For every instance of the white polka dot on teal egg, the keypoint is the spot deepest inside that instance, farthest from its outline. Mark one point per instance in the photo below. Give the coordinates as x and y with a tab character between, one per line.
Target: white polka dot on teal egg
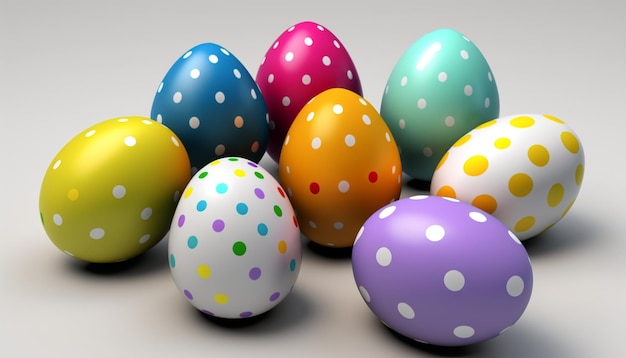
439	89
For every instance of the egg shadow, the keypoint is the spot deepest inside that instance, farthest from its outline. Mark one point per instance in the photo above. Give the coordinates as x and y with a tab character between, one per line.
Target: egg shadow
519	341
419	185
149	262
337	253
572	232
434	350
294	310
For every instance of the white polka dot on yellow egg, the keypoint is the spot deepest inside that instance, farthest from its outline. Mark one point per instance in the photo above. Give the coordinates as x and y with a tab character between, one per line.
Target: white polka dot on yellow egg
108	208
526	170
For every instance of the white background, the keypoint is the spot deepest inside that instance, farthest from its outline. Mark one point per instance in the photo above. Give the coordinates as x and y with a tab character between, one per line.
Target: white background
66	65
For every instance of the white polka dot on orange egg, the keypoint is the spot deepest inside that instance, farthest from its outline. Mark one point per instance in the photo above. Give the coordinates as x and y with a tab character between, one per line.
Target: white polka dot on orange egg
328	189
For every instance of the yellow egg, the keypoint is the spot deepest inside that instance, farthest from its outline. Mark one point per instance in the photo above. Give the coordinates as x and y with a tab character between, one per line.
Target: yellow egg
110	192
339	164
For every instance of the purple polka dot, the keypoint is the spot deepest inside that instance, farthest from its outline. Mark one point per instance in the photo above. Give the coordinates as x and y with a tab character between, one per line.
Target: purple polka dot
274	296
252	164
254	273
259	193
245	314
208	312
189	295
218	225
181	221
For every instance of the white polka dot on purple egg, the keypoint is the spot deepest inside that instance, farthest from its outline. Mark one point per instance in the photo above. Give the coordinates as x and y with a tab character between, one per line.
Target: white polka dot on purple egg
429	244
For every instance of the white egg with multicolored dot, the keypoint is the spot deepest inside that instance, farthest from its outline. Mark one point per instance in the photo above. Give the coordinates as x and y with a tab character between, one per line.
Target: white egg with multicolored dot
234	244
525	170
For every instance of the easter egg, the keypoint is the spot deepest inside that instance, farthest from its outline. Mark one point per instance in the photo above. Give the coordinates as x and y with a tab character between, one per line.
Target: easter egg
303	61
234	243
210	100
339	164
526	170
440	88
110	192
440	271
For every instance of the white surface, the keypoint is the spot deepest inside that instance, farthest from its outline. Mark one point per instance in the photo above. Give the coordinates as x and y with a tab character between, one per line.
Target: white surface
68	64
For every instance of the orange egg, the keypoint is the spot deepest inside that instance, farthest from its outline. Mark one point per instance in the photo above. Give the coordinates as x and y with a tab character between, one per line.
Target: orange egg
339	164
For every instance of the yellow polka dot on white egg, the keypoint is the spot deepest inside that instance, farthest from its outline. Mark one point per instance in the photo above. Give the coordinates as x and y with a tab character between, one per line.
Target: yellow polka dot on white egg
526	170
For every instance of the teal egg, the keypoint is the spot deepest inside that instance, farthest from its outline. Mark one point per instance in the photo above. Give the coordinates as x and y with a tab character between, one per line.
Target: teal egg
440	88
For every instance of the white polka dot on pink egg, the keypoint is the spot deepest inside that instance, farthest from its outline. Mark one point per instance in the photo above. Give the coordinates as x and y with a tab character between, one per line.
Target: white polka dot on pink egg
305	60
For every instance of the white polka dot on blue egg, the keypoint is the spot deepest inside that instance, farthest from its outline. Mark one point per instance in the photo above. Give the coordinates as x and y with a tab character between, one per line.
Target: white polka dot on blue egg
212	103
234	245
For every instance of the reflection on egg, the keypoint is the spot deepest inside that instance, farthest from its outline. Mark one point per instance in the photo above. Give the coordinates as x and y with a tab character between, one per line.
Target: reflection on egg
525	169
303	61
110	193
339	164
440	88
210	100
441	271
234	243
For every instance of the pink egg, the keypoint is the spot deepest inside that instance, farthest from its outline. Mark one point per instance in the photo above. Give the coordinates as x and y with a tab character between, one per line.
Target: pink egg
303	61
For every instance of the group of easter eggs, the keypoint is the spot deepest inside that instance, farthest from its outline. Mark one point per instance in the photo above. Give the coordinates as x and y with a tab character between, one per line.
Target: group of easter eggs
446	267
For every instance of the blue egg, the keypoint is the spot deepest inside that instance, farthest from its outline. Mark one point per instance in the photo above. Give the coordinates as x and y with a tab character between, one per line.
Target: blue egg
213	104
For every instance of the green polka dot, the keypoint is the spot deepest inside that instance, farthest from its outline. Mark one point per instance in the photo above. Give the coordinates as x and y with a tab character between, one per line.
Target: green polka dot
221	188
233	159
41	218
258	175
278	211
203	175
192	242
239	248
172	261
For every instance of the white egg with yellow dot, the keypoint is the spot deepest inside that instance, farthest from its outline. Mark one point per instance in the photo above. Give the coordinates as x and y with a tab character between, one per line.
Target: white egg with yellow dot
525	170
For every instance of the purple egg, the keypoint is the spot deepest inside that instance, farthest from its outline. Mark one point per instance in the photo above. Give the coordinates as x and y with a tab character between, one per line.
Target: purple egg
441	271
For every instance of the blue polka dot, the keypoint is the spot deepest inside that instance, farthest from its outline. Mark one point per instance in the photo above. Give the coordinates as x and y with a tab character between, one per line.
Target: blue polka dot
221	188
292	265
201	205
192	242
262	229
172	261
242	208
